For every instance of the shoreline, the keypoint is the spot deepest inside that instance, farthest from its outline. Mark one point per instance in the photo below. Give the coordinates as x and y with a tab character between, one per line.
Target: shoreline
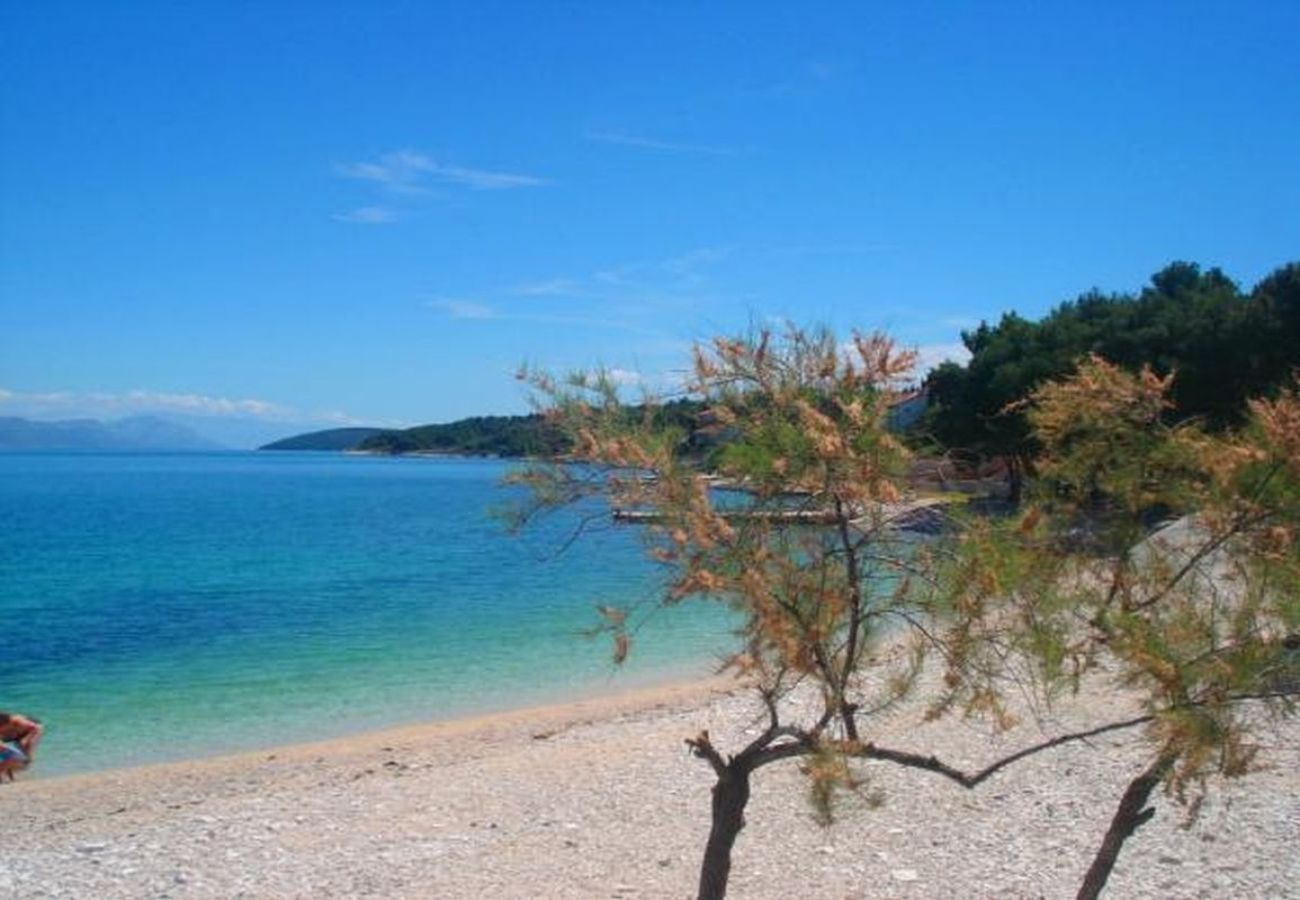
647	690
599	797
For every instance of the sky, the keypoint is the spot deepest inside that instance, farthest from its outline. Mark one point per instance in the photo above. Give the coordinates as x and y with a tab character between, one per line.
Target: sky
275	216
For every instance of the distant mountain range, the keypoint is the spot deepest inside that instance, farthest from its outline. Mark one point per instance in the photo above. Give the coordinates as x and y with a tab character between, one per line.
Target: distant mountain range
135	433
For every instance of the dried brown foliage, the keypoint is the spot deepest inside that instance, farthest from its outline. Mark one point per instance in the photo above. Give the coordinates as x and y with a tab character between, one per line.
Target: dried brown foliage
1193	617
1072	589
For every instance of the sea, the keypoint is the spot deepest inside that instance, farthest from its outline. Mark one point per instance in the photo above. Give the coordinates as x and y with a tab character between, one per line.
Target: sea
165	606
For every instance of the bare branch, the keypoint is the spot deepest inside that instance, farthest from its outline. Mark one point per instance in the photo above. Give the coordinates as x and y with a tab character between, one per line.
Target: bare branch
970	780
1240	525
702	747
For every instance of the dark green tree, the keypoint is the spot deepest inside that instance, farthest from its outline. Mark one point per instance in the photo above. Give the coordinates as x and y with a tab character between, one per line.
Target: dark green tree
1274	328
1225	347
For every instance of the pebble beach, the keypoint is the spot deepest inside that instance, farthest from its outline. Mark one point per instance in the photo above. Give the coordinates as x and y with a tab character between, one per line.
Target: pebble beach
600	798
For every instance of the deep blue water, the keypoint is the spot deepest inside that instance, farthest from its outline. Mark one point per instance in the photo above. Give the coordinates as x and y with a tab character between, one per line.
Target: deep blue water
162	606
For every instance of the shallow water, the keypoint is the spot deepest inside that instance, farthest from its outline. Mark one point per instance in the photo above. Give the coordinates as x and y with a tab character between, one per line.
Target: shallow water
164	606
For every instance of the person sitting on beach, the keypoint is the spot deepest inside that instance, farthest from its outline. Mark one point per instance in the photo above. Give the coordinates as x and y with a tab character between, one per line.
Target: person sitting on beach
19	736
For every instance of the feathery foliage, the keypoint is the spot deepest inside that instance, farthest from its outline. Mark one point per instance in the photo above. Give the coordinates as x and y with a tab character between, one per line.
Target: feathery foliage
836	602
809	561
1194	617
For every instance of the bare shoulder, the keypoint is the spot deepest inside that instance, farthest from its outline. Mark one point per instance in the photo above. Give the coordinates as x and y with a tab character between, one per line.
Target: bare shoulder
15	724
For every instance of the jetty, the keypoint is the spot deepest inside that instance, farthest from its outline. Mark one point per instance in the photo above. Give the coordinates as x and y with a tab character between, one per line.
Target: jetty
925	514
794	516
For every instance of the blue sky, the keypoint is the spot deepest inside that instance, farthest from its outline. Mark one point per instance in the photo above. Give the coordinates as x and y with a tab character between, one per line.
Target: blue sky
298	214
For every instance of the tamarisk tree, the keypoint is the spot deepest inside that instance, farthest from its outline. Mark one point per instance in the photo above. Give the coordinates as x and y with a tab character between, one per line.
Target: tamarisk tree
1198	620
810	562
819	573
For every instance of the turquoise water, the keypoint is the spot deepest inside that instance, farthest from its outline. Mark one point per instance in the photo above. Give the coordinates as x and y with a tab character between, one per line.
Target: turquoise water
158	606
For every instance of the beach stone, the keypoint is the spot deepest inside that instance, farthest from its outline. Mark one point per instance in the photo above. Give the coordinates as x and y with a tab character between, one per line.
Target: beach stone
615	802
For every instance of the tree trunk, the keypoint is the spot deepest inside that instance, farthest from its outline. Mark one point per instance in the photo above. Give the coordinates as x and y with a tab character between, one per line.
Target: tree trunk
1015	480
730	795
1131	814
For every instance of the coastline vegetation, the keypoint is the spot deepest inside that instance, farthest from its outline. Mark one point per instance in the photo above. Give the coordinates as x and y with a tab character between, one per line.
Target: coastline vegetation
514	436
329	439
504	436
1226	345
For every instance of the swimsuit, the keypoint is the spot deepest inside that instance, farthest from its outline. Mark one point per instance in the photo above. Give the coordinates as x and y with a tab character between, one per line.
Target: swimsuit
12	751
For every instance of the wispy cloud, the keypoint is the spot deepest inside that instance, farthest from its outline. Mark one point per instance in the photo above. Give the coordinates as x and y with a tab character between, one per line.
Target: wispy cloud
683	270
463	309
103	403
406	171
402	177
624	139
203	405
689	263
243	422
552	287
631	297
625	377
483	180
368	215
928	356
476	311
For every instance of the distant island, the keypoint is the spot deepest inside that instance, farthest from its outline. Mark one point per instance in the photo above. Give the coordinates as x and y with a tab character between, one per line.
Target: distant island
329	439
135	433
513	436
